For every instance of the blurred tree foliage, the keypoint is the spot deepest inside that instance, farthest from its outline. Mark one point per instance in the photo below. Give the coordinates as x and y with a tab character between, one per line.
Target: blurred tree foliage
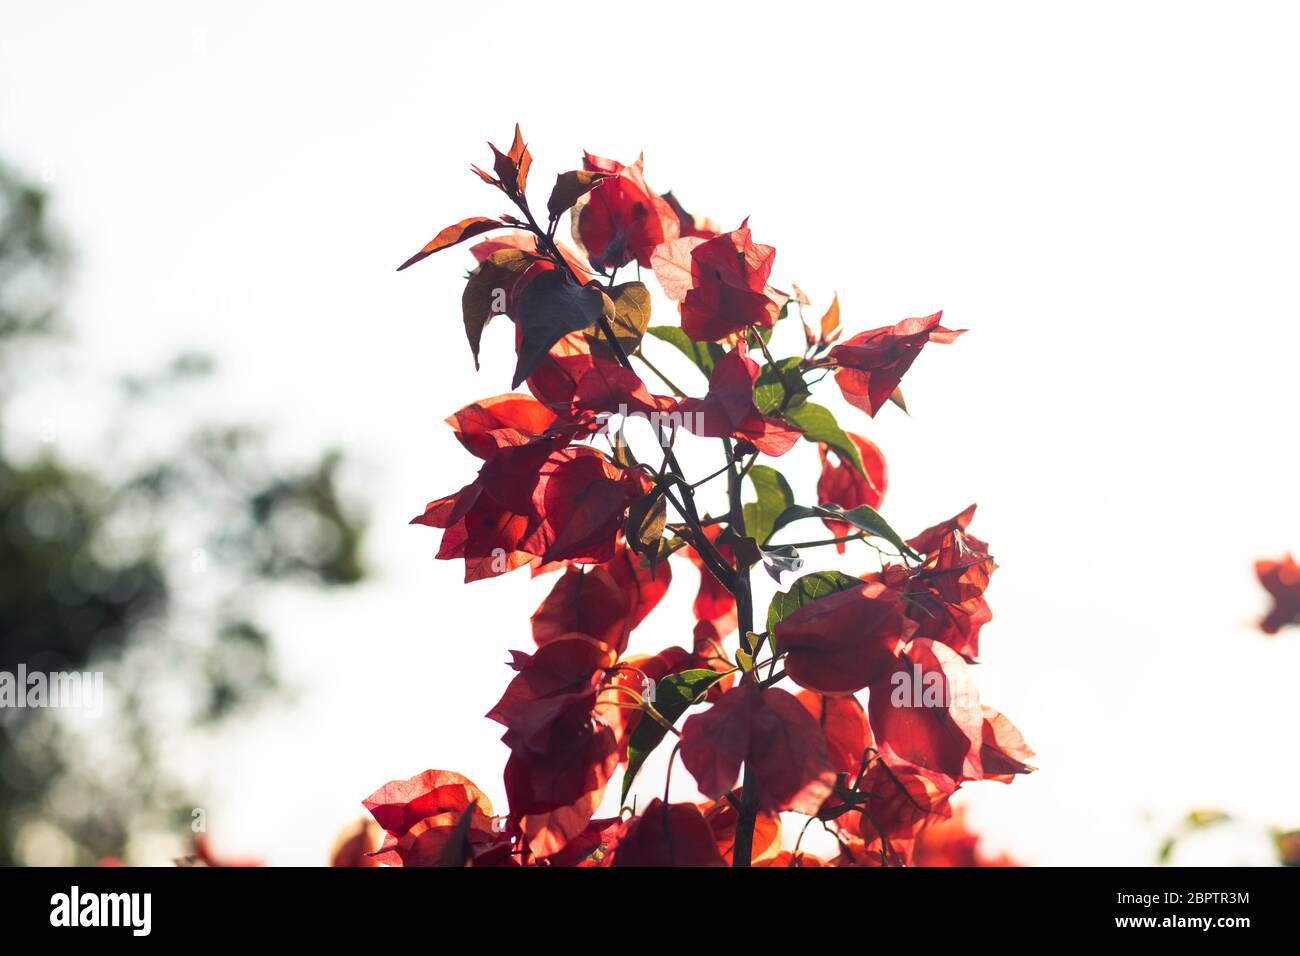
148	567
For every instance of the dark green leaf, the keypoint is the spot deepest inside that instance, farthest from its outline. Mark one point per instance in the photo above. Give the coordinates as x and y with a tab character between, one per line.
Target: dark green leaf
486	291
807	589
569	188
863	517
550	307
673	695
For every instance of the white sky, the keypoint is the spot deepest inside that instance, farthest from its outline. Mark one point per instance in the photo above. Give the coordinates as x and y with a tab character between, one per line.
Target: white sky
1104	194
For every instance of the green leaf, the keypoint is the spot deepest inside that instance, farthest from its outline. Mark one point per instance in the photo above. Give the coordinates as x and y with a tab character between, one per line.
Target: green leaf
550	307
774	496
673	695
818	424
807	589
704	354
863	517
773	383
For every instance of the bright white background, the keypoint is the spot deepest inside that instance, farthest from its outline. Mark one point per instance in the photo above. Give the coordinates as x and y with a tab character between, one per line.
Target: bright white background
1104	194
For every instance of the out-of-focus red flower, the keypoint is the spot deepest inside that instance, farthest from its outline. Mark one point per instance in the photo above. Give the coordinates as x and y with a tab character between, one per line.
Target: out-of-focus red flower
621	219
950	842
204	855
789	858
722	817
1282	581
871	364
356	845
841	643
772	732
728	410
841	483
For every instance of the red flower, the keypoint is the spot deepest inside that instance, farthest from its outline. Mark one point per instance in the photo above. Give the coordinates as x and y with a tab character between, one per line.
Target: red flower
926	712
564	673
485	427
587	602
578	381
531	501
950	843
769	730
605	602
1282	580
709	653
621	220
722	819
844	485
423	816
1003	753
903	799
945	595
871	364
688	224
721	283
489	520
666	835
844	725
579	501
728	410
844	641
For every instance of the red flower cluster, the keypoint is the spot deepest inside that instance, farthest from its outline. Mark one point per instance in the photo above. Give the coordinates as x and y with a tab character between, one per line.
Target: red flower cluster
1282	581
559	489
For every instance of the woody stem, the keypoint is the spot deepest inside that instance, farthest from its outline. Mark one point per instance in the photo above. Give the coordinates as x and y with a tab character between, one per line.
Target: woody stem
747	815
703	546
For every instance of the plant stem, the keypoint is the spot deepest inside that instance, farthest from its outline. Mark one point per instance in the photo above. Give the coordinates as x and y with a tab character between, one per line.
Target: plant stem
703	546
817	544
747	813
